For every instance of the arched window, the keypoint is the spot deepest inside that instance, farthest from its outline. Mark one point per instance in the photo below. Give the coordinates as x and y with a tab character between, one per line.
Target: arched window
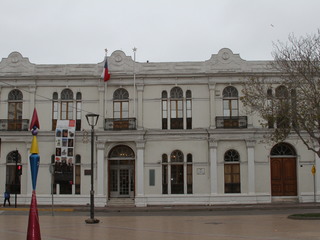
13	181
232	172
176	107
121	152
282	119
66	104
283	149
282	92
15	99
189	109
78	110
164	174
230	102
164	102
270	110
177	172
65	110
66	94
121	104
55	110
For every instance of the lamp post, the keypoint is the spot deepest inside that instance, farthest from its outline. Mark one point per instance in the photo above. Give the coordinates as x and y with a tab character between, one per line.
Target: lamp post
92	121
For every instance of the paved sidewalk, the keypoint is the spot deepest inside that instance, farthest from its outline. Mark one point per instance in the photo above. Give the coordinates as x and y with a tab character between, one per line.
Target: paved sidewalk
171	208
196	223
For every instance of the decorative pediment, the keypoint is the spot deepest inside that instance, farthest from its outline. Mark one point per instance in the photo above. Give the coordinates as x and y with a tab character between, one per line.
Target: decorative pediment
226	61
16	64
119	62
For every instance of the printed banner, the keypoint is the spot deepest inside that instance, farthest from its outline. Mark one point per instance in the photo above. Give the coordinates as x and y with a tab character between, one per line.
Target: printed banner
65	137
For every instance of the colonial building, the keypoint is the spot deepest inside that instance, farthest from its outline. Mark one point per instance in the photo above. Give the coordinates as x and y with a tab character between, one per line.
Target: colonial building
168	133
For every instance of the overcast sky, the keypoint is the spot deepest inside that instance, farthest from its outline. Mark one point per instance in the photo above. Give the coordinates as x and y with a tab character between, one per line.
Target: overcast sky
78	31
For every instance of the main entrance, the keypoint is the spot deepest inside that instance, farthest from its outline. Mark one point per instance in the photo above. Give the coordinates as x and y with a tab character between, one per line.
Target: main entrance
121	165
283	166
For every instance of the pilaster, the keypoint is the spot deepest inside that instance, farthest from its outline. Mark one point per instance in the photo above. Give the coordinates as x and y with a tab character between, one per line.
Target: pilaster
251	166
213	166
140	146
140	88
212	89
100	169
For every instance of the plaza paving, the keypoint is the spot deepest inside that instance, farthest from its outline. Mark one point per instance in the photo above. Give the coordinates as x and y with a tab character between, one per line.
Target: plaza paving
154	224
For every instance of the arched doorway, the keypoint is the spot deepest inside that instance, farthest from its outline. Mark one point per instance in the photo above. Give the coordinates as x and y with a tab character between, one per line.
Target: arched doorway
283	163
121	169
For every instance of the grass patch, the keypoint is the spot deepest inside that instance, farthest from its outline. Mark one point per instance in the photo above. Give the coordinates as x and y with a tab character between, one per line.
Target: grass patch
306	216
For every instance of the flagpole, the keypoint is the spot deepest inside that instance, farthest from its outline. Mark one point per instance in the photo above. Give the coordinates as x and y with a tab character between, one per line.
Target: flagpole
134	82
105	86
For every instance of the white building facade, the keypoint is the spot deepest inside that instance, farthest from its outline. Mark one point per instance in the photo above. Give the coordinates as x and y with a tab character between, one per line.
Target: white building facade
168	133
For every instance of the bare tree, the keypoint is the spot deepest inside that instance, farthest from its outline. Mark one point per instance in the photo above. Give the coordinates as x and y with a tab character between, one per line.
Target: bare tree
289	101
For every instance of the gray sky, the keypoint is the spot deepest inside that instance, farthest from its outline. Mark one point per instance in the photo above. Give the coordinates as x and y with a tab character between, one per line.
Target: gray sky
78	31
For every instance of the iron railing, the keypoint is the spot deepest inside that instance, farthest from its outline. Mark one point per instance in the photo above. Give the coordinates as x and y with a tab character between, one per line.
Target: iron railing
14	124
232	122
120	124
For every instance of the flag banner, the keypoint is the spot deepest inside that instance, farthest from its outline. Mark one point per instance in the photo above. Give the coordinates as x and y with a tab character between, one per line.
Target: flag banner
65	136
64	157
105	74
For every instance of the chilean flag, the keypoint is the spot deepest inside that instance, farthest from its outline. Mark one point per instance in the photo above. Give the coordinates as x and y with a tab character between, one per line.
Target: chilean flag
105	73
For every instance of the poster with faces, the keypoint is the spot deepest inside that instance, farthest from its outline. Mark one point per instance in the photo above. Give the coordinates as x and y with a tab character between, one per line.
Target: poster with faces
65	136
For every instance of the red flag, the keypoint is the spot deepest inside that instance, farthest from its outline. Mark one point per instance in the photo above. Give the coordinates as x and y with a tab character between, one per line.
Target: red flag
106	74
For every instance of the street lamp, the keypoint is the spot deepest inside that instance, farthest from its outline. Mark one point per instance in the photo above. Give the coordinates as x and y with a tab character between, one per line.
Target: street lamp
92	121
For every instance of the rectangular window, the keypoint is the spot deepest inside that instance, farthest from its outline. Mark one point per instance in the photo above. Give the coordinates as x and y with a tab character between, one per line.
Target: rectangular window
164	115
176	121
177	179
116	110
232	178
189	114
66	110
121	110
77	179
151	177
78	116
189	179
55	110
164	179
125	110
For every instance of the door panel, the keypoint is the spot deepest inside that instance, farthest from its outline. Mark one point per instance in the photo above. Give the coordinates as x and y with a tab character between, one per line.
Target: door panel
289	177
121	176
124	182
283	177
276	180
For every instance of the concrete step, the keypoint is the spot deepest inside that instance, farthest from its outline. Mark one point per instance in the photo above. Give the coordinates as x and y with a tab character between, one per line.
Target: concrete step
116	202
285	199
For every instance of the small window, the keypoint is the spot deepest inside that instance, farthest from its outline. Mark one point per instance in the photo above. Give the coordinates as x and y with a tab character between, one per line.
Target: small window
164	102
78	96
151	177
55	96
189	109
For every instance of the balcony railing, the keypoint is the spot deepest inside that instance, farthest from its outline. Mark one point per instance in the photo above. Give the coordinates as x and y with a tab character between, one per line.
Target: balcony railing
232	122
14	125
120	124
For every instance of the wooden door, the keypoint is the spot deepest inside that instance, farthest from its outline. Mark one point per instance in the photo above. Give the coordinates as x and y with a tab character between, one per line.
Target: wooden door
283	177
